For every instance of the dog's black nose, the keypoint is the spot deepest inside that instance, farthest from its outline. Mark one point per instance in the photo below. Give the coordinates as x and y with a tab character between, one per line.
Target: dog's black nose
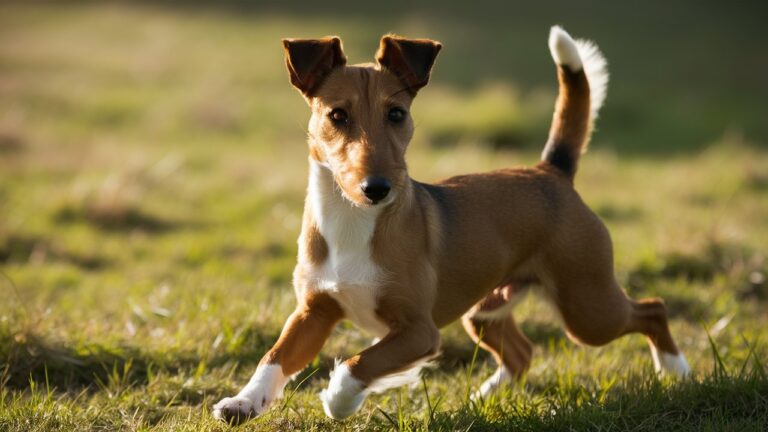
375	188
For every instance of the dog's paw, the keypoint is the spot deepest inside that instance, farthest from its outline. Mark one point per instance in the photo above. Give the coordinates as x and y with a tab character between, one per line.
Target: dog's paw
236	410
492	384
344	395
265	386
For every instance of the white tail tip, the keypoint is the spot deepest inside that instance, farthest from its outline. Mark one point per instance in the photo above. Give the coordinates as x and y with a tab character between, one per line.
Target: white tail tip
578	55
564	50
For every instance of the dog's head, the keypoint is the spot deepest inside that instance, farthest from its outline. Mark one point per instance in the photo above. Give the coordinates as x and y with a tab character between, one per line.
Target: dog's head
361	123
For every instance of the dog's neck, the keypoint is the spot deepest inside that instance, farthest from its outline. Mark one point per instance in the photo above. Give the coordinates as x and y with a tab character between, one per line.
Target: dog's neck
347	228
342	223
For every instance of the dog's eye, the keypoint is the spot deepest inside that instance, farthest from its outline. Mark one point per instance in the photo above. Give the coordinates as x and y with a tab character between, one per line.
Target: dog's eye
338	116
396	115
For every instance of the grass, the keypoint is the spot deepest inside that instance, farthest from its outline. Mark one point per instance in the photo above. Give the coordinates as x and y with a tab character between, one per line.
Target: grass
152	172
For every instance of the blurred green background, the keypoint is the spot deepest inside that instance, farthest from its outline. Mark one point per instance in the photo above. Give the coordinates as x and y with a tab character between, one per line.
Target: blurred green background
152	173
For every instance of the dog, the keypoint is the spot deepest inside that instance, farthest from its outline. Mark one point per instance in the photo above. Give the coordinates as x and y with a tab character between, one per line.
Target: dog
401	259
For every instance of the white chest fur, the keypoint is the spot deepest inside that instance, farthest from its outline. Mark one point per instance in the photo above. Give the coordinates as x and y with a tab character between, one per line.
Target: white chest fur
349	274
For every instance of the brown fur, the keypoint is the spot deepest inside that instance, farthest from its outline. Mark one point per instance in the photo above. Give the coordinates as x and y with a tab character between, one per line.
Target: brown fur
304	332
503	340
445	247
571	123
525	222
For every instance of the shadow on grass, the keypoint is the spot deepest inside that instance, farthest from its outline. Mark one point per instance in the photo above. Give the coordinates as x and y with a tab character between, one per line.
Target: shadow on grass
744	269
717	258
24	248
74	367
119	220
28	356
721	401
11	143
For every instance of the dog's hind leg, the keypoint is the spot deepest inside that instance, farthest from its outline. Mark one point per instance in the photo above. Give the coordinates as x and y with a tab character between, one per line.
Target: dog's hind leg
649	317
578	276
491	325
597	313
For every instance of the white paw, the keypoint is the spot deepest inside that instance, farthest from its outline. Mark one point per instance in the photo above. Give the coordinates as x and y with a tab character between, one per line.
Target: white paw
673	364
265	385
238	409
344	395
492	383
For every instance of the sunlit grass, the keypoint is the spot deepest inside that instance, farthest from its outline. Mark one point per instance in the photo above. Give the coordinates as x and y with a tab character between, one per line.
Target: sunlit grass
152	175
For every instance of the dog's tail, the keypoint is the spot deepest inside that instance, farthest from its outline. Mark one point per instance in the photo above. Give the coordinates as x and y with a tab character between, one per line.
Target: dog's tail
583	77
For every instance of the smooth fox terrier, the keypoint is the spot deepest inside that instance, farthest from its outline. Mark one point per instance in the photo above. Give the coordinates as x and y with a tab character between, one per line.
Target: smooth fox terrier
401	259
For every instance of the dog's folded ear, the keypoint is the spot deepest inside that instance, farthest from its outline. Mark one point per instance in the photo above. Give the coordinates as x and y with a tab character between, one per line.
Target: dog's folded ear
310	60
411	60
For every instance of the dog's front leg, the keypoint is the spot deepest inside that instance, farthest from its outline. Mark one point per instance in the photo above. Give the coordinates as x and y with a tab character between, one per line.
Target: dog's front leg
302	337
380	366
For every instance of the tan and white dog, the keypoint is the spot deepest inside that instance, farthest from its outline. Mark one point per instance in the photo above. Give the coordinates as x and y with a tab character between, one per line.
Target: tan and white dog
401	259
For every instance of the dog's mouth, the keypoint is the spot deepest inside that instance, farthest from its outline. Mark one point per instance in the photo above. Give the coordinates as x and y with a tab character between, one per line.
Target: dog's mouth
382	202
367	203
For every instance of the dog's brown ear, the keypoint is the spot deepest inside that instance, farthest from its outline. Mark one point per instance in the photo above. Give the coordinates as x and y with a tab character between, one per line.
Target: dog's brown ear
310	60
411	60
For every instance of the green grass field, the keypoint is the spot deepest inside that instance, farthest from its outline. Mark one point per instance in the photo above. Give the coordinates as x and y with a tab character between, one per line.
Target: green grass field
152	175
